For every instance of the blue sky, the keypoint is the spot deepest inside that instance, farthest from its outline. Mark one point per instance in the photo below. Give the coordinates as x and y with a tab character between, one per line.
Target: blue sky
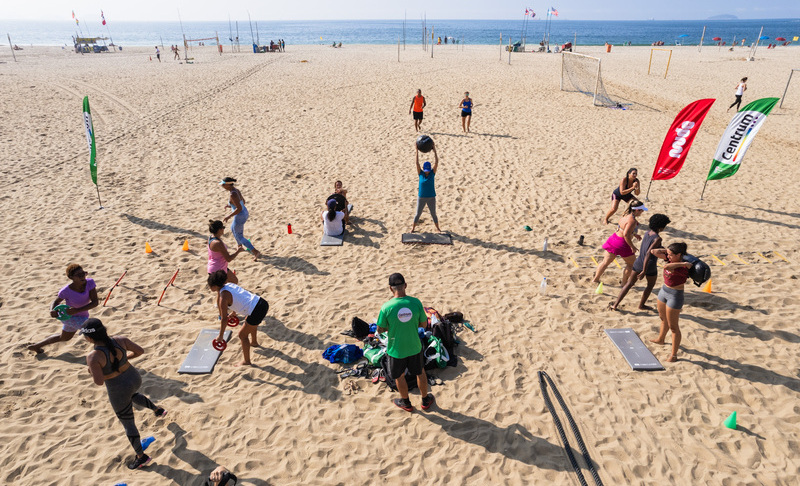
155	10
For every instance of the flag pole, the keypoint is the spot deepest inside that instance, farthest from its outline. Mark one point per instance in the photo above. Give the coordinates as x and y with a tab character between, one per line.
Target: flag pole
98	197
704	189
647	196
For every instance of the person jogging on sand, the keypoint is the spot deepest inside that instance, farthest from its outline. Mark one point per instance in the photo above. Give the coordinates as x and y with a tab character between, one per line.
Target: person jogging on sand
239	214
740	89
108	364
417	104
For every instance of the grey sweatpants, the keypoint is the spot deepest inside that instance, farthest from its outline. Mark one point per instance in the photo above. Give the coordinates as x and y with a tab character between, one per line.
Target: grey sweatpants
431	203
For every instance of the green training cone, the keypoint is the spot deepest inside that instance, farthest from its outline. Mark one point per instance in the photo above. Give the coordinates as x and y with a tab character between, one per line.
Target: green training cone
527	228
730	422
599	290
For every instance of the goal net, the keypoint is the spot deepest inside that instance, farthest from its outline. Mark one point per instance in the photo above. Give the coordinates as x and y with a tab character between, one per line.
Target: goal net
582	73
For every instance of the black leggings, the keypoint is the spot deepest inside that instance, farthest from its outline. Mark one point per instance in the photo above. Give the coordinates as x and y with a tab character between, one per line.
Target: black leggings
738	102
122	393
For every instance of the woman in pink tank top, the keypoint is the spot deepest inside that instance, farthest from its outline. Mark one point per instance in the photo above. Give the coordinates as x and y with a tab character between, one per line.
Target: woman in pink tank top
218	256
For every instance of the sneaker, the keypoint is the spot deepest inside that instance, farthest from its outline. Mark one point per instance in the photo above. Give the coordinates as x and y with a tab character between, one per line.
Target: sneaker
403	403
427	401
139	462
160	412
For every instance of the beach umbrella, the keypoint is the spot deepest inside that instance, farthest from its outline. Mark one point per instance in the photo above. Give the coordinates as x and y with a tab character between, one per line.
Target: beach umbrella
717	39
780	38
763	37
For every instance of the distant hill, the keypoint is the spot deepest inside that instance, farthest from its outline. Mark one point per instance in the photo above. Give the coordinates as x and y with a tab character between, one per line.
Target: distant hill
723	17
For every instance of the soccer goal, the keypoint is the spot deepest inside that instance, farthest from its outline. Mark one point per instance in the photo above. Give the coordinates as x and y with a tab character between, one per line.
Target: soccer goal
581	73
650	64
787	86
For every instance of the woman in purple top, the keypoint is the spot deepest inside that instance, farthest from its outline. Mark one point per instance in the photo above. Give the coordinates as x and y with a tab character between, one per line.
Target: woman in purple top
80	296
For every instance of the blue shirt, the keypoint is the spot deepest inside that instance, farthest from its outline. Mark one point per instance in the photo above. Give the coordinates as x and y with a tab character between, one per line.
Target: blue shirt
466	106
426	188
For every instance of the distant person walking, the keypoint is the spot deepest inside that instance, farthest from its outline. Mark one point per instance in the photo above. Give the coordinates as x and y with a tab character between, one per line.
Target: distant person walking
740	89
239	214
427	189
417	104
177	53
158	54
466	112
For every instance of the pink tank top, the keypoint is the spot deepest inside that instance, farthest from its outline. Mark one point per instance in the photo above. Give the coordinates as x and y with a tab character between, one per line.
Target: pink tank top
215	259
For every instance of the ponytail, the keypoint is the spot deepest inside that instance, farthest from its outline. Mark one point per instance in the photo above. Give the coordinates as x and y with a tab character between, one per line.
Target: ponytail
95	329
331	214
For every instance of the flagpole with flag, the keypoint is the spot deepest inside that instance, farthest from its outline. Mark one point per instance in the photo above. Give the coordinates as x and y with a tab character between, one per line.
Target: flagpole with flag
87	121
678	141
103	17
737	138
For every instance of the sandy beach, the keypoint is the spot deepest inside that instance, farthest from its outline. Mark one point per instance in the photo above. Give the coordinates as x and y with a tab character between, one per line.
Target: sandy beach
288	125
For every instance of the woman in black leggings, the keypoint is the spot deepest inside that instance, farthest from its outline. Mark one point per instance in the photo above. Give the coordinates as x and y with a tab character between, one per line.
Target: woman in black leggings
108	364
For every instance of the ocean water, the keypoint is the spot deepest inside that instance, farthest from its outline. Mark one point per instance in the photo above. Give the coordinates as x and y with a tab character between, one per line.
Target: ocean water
392	31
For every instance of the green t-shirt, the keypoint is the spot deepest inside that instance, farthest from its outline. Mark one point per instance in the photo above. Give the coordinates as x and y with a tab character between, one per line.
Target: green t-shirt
402	316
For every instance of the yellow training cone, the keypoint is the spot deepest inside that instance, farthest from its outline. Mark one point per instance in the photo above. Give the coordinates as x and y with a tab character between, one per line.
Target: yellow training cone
147	248
707	286
185	245
599	290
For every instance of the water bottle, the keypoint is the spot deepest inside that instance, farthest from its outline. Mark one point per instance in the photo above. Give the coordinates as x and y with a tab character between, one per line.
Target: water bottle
543	286
544	247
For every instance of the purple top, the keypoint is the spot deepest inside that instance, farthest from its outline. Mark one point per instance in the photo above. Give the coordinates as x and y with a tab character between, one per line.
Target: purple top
77	299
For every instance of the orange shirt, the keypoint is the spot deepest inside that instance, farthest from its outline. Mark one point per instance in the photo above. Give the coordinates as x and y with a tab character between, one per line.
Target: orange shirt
418	101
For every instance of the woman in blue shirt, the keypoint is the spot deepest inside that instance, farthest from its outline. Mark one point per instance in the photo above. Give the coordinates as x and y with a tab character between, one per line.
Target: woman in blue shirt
466	112
427	191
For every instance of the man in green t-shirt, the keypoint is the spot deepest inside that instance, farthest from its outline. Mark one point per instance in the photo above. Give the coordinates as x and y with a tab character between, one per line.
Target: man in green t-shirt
400	317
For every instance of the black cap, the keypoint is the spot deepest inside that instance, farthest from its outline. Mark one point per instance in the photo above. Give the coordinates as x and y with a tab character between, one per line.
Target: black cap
396	280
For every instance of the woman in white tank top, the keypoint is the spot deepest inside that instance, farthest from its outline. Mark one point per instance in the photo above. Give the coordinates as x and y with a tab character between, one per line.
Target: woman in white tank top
231	297
740	89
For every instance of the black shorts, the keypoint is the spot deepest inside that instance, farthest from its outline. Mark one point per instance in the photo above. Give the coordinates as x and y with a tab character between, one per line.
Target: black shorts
258	314
465	113
397	367
417	115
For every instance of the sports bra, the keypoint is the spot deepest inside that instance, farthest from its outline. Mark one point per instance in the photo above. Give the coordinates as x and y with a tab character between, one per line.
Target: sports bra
108	367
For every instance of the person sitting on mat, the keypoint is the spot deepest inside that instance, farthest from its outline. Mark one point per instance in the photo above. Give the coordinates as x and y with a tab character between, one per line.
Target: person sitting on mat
108	364
427	190
80	296
232	297
340	196
670	297
645	264
332	220
620	243
628	185
218	256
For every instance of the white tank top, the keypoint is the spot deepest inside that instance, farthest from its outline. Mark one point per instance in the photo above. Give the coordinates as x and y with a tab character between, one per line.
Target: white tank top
740	89
243	301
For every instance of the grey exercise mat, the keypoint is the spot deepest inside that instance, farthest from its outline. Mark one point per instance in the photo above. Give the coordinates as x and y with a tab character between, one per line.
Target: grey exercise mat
203	357
428	238
633	349
332	240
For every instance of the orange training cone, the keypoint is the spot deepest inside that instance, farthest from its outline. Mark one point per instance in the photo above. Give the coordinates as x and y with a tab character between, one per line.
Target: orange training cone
707	287
147	248
185	245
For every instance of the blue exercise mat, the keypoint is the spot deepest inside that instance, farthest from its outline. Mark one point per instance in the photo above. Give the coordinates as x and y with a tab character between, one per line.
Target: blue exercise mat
428	238
203	357
633	349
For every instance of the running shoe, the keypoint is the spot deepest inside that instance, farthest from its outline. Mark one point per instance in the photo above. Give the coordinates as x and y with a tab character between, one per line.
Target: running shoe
160	412
427	402
139	462
403	403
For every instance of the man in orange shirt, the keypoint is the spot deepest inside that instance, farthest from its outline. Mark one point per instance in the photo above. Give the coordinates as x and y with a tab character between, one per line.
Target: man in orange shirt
417	104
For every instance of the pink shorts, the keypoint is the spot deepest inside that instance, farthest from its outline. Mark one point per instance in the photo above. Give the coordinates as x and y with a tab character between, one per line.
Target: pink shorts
617	245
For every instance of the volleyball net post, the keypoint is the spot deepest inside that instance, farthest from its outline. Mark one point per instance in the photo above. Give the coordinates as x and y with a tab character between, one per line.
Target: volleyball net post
787	87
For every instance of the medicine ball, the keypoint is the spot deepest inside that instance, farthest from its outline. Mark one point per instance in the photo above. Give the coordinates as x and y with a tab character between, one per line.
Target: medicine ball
424	143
